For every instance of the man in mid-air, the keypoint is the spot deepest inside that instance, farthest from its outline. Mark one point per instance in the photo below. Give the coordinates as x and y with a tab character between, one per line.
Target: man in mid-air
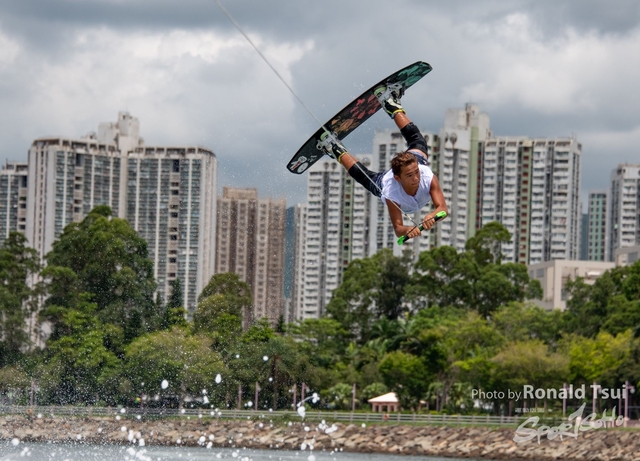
410	184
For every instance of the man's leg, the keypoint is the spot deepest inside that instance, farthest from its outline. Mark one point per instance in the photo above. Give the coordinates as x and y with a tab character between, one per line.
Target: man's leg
367	178
390	101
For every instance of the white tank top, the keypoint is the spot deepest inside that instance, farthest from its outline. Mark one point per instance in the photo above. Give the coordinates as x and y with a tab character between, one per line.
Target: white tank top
392	190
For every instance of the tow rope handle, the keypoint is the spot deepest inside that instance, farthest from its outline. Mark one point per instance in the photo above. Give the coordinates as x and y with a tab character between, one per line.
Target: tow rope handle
439	216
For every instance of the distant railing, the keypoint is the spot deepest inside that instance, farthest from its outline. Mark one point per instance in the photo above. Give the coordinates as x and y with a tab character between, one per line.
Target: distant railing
311	415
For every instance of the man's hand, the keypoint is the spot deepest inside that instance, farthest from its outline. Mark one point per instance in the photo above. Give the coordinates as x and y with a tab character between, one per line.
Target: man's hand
414	232
428	222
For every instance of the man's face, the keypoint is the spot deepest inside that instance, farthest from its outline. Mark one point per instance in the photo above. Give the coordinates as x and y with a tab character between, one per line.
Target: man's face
409	177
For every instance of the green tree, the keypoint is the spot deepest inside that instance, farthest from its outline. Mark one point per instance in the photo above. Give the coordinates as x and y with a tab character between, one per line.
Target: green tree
518	321
174	314
486	244
185	361
444	277
111	263
78	361
528	362
176	297
339	397
17	298
407	376
371	288
219	317
603	358
237	294
323	339
610	304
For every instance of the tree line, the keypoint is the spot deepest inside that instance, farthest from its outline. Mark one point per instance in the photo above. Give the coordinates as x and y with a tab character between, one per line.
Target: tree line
430	330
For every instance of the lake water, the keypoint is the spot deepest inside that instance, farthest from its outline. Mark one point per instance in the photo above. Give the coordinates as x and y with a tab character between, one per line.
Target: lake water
87	452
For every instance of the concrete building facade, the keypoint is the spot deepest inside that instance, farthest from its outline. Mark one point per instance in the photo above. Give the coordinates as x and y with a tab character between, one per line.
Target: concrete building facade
459	170
624	208
166	193
333	230
553	276
531	186
597	226
250	244
13	198
170	201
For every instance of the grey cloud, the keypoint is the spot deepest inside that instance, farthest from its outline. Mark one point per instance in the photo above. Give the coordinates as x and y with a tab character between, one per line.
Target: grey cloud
238	107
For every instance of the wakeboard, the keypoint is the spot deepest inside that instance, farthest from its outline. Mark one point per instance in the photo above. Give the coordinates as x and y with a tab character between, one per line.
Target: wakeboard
354	115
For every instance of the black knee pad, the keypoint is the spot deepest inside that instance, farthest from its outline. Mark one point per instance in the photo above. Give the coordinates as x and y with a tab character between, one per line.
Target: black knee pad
414	138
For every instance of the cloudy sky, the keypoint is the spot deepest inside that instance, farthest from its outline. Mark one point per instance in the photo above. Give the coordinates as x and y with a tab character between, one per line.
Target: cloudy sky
537	67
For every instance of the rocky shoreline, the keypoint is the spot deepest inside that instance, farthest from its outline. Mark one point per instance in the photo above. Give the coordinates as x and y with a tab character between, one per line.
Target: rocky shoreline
461	442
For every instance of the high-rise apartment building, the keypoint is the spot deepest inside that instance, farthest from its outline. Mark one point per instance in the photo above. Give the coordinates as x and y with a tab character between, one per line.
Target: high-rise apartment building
13	198
251	244
67	178
386	144
298	288
624	215
597	226
170	201
334	230
166	193
458	169
531	187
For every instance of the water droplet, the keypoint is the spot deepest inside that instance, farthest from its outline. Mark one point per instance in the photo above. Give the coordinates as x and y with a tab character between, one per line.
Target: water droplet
164	384
265	358
15	442
218	378
302	412
141	442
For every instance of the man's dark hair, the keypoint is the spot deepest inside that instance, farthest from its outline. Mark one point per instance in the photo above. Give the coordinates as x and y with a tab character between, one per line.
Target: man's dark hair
401	160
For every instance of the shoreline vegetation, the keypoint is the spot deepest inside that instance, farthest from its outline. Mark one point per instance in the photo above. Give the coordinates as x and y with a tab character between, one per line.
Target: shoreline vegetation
310	436
451	333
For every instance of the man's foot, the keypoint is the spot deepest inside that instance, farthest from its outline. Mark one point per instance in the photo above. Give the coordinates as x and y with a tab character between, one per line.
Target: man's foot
331	146
389	97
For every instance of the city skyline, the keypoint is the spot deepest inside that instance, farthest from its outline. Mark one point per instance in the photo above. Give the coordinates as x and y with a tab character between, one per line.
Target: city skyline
540	70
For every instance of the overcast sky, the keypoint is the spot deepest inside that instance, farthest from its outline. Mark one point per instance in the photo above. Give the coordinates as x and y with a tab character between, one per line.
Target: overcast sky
538	68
